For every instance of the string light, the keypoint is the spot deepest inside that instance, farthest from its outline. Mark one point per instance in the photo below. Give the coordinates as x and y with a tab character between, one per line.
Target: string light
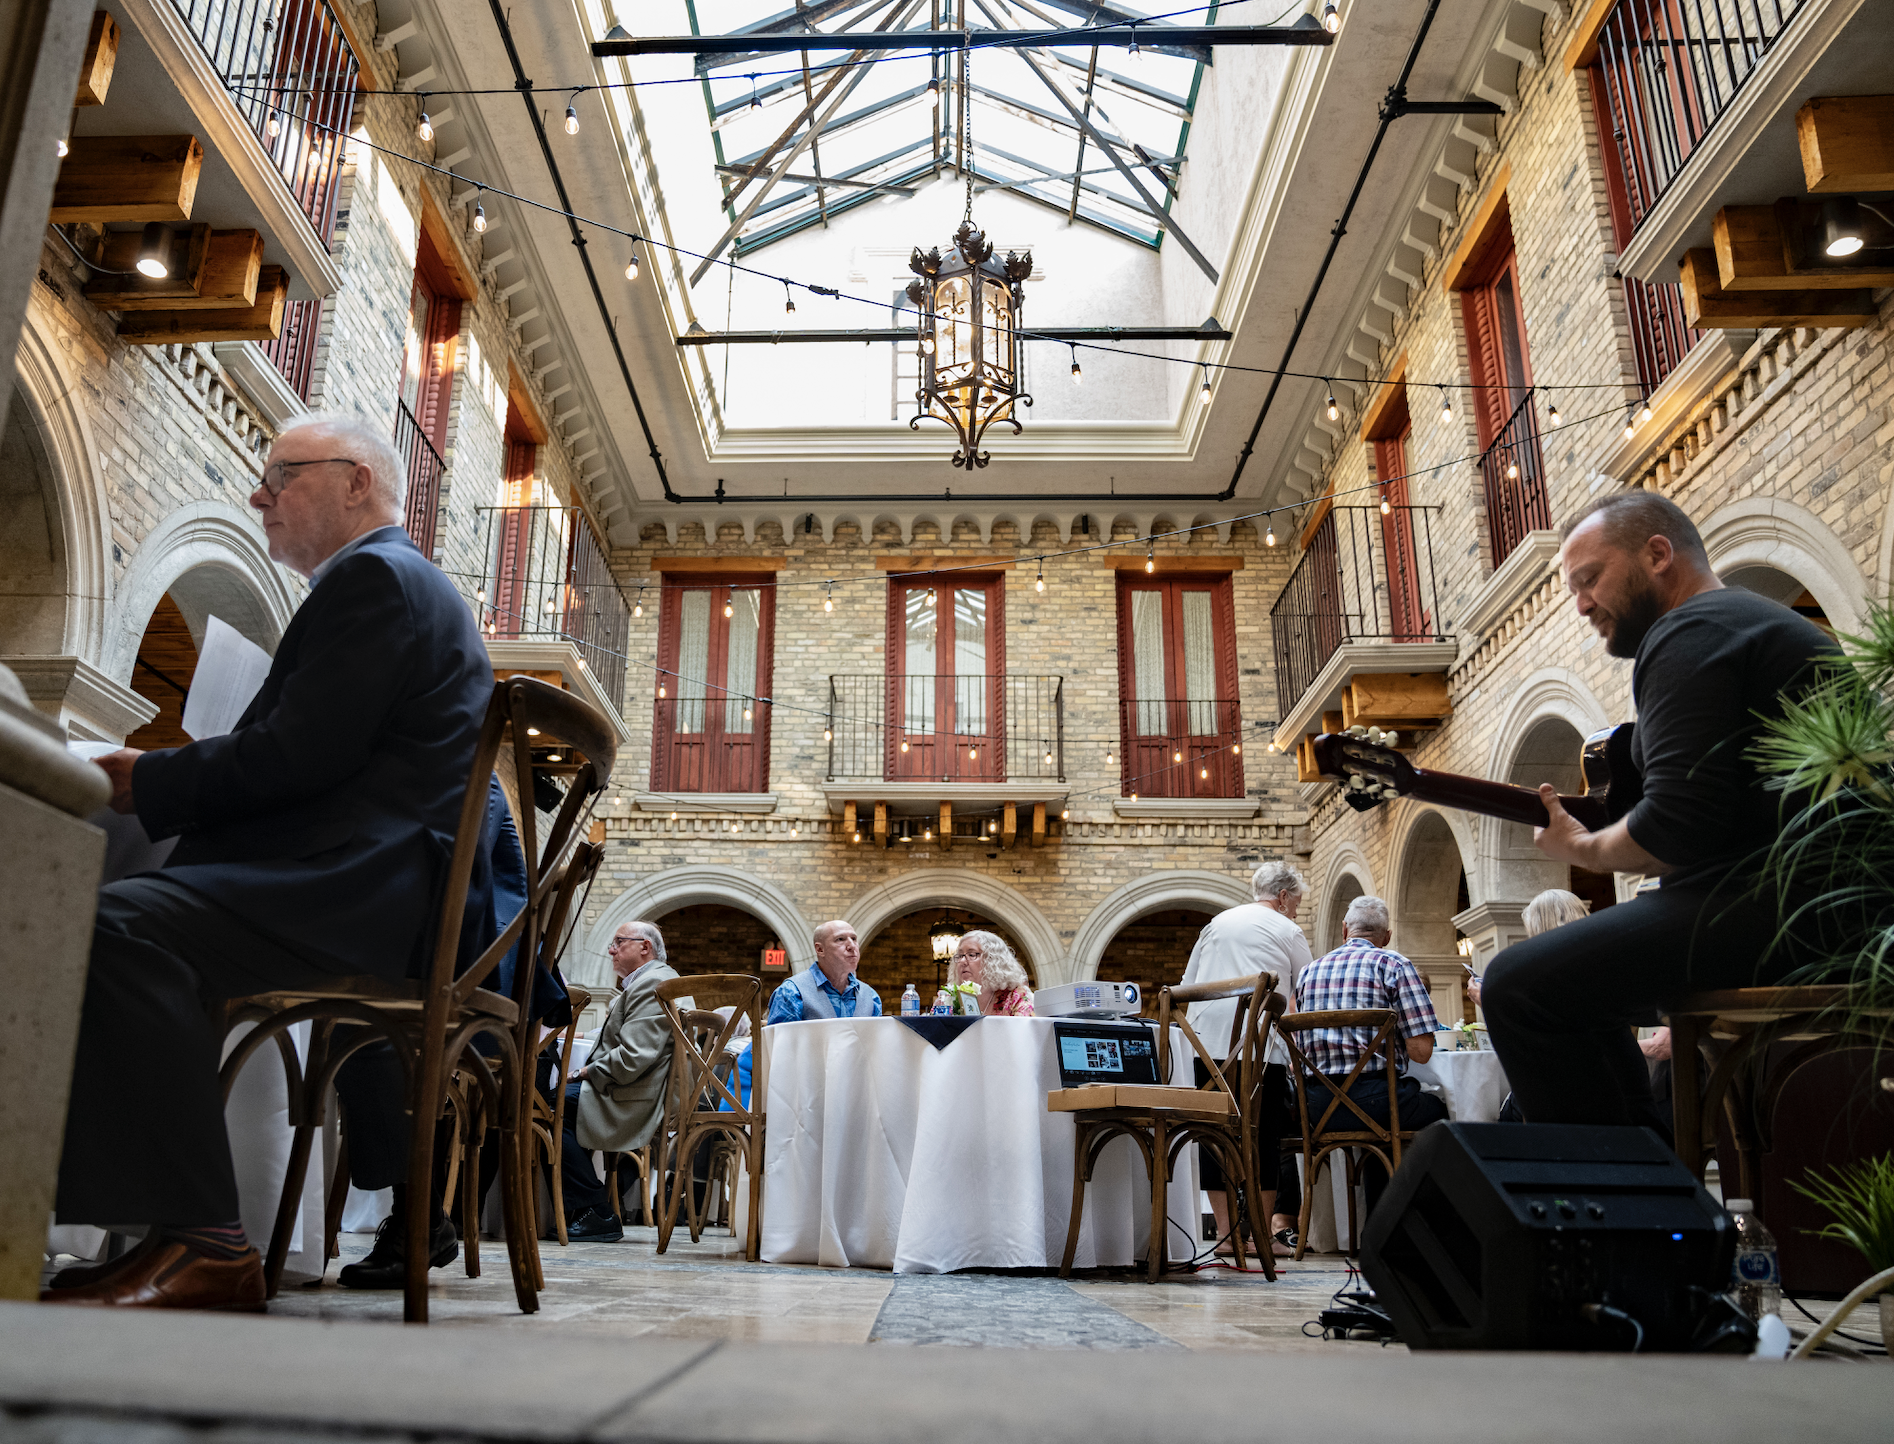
1331	17
973	754
661	691
1108	756
1204	391
789	301
1385	508
1236	749
828	734
480	218
637	609
1039	582
904	744
1177	756
1552	410
1048	757
272	126
1078	374
1446	406
828	603
746	714
858	837
1334	411
728	610
1512	468
1203	772
1645	414
424	128
1630	423
756	101
572	120
1150	558
631	266
1269	535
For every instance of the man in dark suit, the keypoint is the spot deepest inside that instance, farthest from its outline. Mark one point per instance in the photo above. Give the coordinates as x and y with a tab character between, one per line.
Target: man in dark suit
312	843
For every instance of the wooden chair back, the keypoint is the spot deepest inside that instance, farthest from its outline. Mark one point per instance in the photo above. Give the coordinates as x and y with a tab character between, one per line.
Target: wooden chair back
703	1100
1382	1046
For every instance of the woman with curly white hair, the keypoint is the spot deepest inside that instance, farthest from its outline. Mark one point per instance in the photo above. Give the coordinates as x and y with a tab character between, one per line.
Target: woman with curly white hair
985	959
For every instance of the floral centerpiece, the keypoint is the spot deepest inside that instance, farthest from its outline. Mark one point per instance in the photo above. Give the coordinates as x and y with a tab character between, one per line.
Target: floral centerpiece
964	999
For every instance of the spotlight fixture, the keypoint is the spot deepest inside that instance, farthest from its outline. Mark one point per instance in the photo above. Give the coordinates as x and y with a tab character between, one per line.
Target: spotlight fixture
1269	534
1331	17
789	301
572	120
1077	375
1039	582
154	252
1841	227
631	267
1552	412
424	128
1446	406
480	218
1334	411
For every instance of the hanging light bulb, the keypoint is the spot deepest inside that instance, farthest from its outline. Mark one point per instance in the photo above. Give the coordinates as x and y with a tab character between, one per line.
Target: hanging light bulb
480	595
1331	17
480	218
1446	406
1385	508
1108	756
904	744
273	125
1177	756
789	301
1150	559
1039	582
1512	468
1077	375
973	754
1645	413
661	691
1064	813
1630	423
858	837
572	120
828	602
424	128
1203	772
746	714
1269	536
631	267
674	817
1236	749
1203	392
637	609
828	734
1334	411
1552	411
728	610
1048	757
756	101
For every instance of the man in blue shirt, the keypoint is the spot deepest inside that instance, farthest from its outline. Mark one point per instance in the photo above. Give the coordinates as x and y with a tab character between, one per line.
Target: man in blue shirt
830	989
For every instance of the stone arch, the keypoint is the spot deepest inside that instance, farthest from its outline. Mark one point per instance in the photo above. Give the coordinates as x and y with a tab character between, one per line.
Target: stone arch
50	398
954	887
1348	866
1762	531
1505	864
1432	851
678	887
1173	888
210	557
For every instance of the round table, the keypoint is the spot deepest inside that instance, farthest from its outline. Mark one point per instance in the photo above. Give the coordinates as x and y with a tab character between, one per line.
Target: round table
882	1151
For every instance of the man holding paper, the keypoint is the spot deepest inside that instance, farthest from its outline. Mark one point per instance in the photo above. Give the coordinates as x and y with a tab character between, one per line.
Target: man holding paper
312	840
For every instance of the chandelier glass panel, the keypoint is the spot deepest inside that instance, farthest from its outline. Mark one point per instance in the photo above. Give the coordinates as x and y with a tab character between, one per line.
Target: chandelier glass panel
969	303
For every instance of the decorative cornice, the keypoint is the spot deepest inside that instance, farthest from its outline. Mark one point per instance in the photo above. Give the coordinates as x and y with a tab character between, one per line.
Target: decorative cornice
1351	659
1678	403
1190	809
1521	572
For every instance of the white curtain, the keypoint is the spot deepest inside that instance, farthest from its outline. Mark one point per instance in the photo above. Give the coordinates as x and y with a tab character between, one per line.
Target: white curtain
1147	660
970	661
1200	672
740	670
917	701
693	659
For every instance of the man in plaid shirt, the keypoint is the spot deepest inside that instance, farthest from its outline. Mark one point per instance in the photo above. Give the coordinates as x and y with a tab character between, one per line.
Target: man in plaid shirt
1365	973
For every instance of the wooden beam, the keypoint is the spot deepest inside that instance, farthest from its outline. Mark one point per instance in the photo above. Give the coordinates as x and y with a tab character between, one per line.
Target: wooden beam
1582	50
129	290
261	322
1127	562
1847	143
455	268
225	278
848	820
1769	248
1708	305
141	178
1038	824
717	564
881	824
1395	699
1490	224
1009	825
101	55
521	401
1306	770
1332	722
945	835
935	563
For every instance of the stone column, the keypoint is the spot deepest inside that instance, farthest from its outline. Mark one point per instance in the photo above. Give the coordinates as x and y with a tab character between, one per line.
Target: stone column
51	860
1491	927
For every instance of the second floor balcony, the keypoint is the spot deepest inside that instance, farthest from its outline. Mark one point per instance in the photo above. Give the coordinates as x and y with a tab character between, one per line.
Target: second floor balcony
926	728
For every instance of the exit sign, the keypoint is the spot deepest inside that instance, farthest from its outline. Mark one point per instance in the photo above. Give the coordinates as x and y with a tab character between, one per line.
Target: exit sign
775	960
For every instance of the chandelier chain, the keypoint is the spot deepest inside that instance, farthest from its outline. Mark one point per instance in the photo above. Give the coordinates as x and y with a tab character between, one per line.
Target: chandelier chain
966	107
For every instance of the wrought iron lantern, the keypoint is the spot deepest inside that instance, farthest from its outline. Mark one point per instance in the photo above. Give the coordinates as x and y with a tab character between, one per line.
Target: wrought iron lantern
969	303
944	937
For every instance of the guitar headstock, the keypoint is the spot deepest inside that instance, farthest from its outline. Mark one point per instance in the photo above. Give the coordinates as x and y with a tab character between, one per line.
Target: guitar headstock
1364	761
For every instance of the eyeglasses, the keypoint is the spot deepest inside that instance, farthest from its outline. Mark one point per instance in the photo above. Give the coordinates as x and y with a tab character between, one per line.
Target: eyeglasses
277	475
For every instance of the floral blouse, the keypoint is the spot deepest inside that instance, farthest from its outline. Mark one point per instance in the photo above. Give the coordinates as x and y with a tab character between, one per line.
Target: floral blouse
1013	1003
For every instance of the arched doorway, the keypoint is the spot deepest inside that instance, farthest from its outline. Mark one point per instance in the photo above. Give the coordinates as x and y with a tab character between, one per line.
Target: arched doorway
902	952
1780	586
168	649
1345	889
33	570
716	938
1431	892
1153	950
1550	753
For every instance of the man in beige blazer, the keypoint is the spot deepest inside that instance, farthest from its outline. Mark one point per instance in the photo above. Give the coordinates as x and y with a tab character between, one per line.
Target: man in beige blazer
616	1101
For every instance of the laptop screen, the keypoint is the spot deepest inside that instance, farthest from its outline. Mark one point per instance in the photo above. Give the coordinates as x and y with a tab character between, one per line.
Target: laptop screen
1105	1053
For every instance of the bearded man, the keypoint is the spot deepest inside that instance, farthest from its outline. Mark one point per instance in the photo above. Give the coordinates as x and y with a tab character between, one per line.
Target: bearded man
1710	662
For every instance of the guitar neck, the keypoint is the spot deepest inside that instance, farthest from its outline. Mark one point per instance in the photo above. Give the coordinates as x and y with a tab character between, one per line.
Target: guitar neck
1499	799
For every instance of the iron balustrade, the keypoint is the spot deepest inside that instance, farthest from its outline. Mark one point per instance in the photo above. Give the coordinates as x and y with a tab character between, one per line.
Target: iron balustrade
292	75
1180	747
1670	69
425	467
293	353
1660	334
1513	470
1364	576
546	578
968	728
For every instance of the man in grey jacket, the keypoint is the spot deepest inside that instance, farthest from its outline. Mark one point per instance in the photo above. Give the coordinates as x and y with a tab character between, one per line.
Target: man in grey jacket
616	1101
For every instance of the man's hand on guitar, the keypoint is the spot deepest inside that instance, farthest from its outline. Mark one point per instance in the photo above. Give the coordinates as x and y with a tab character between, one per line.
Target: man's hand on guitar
1564	838
1611	849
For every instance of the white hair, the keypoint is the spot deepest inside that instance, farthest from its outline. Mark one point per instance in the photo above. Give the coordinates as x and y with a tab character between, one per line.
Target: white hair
649	932
1553	908
368	446
1367	915
1000	968
1273	879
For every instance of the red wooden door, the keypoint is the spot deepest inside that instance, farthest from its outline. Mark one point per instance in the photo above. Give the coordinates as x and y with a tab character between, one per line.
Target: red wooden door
946	657
1177	685
711	729
1407	619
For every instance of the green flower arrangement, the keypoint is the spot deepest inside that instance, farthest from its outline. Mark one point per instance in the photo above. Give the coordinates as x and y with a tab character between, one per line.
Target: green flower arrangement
965	998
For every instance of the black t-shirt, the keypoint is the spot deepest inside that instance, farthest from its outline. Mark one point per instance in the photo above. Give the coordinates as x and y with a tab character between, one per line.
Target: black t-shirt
1704	672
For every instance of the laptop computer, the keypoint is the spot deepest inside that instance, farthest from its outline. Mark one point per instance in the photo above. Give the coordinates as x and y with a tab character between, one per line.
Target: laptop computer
1105	1052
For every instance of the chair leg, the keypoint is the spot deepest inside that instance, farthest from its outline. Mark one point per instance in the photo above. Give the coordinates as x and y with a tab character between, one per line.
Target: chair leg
1351	1174
1081	1144
1160	1175
555	1166
288	1206
515	1179
470	1199
1310	1164
337	1201
674	1195
1686	1064
610	1161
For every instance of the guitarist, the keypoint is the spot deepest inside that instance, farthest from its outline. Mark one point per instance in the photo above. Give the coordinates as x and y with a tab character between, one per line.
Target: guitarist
1708	660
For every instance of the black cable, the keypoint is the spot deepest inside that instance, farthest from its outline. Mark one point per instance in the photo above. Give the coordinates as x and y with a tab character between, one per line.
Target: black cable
1872	1344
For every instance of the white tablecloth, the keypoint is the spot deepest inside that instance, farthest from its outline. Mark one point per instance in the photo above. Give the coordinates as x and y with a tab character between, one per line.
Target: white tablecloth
885	1152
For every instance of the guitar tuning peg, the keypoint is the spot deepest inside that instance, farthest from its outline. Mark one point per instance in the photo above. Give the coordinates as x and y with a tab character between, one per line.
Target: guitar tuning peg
1357	782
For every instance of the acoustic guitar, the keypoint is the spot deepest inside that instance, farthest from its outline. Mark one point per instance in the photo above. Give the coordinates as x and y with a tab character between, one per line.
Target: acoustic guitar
1372	773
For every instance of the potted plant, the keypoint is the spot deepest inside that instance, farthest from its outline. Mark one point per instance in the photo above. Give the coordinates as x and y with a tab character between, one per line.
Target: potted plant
1860	1198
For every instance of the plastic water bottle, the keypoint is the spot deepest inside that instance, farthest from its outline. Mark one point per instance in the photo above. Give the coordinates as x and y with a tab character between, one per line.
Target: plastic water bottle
910	1003
942	1006
1756	1279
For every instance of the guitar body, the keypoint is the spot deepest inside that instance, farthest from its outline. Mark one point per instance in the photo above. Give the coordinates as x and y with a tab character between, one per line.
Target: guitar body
1372	774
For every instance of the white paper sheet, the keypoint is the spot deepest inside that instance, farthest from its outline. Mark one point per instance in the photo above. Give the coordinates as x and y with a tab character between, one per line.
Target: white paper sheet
230	669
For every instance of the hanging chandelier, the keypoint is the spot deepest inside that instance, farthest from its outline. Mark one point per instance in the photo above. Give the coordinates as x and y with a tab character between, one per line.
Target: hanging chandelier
944	938
969	305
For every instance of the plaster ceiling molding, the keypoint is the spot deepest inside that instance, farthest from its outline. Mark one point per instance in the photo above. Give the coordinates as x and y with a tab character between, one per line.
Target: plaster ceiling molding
1522	37
1391	296
1498	81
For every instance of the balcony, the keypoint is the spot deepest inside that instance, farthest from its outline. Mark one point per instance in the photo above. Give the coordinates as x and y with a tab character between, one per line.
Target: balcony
546	584
946	757
1512	473
1180	749
425	467
1357	629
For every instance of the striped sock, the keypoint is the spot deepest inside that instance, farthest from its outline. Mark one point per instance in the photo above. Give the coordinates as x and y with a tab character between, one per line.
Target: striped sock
217	1240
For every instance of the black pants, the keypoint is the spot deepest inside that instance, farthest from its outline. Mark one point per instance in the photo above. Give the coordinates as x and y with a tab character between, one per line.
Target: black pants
583	1187
145	1140
1560	1007
1275	1119
1418	1109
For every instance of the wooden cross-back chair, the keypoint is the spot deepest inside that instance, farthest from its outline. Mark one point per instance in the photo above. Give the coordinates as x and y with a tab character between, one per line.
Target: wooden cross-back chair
702	1100
434	1022
1344	1125
1220	1115
549	1118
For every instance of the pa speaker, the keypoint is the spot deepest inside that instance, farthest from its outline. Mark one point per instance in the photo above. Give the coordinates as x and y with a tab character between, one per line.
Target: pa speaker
1550	1236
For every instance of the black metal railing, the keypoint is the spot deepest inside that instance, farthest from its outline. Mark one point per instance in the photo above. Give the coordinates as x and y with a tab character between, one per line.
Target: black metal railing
292	74
1513	470
924	728
1180	747
424	477
1670	69
1365	576
1659	333
546	578
293	353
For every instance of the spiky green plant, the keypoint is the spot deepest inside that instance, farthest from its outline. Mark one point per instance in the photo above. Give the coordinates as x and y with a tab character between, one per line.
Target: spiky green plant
1860	1196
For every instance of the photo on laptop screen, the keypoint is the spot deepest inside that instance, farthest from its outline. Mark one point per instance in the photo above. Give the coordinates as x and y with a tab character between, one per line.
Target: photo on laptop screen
1105	1053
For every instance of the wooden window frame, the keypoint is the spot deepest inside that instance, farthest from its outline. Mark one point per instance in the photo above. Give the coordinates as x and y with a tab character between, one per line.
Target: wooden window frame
1145	768
924	759
667	768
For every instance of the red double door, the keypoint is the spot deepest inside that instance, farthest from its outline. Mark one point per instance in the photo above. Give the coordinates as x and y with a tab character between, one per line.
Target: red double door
946	718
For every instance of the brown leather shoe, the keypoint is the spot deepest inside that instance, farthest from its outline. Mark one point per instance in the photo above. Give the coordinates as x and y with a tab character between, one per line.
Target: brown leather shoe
81	1275
171	1276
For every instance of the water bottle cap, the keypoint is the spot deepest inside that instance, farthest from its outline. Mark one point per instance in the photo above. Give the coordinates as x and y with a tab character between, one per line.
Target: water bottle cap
1739	1205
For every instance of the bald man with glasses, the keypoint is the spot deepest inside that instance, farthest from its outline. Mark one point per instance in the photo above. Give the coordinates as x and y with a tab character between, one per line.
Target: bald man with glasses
313	840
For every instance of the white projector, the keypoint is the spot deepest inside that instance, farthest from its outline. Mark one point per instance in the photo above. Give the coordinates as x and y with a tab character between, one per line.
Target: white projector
1089	1000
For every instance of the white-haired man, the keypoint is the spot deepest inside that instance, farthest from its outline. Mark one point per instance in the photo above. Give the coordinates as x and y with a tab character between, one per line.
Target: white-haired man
311	843
829	988
1364	972
1253	937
